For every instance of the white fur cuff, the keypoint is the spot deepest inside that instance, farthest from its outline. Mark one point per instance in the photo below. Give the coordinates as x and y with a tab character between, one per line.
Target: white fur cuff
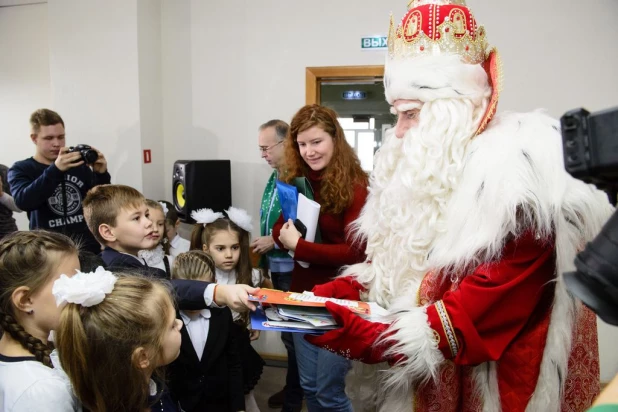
411	336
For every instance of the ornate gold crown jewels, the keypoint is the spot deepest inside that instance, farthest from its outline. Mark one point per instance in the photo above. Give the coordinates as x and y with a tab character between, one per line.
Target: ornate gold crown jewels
432	27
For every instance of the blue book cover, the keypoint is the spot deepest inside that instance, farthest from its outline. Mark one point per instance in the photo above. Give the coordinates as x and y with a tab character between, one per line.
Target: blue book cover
259	321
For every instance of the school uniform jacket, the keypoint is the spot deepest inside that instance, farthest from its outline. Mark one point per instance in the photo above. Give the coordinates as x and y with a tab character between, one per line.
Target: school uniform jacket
189	294
215	381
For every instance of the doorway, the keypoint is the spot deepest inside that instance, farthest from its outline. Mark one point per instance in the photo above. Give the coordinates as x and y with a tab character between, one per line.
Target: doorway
356	93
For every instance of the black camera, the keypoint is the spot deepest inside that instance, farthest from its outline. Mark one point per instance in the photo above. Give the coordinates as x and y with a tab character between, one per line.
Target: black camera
89	155
590	146
595	282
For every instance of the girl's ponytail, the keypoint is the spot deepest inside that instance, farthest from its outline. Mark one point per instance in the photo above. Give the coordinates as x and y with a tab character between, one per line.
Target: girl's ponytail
79	363
196	237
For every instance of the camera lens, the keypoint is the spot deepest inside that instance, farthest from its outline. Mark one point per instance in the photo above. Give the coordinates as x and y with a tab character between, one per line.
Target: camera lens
90	156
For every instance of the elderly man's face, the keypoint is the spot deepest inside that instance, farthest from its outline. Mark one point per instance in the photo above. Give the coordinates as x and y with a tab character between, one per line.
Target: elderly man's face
407	112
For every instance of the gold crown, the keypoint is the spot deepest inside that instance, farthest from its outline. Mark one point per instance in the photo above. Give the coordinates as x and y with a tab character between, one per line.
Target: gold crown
432	27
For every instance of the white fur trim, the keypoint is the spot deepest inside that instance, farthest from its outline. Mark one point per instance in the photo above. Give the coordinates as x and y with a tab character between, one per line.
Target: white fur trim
205	216
240	217
428	78
485	378
411	336
514	174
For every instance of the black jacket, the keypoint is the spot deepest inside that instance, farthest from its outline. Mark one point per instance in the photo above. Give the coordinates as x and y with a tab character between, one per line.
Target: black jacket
189	294
213	383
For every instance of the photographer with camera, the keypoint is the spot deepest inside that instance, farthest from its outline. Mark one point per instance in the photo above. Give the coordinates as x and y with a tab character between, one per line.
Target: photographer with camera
50	185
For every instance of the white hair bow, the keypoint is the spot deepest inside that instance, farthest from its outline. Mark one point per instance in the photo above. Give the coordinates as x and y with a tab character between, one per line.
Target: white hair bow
86	289
205	216
239	216
165	209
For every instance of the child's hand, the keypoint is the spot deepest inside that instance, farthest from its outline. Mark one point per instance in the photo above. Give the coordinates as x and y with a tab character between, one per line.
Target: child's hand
254	334
235	297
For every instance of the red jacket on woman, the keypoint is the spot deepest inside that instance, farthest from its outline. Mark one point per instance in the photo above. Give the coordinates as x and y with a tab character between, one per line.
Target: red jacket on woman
336	248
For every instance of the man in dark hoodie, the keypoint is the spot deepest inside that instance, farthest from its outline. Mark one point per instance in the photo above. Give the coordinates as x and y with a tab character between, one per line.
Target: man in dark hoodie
51	185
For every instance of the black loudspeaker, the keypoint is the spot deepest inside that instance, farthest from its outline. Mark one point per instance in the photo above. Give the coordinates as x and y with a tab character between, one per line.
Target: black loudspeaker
198	184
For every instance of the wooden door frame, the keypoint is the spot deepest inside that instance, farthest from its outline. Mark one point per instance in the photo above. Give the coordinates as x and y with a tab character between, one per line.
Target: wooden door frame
315	76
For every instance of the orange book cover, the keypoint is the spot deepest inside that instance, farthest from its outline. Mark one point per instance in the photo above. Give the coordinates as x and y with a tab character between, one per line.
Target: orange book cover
279	297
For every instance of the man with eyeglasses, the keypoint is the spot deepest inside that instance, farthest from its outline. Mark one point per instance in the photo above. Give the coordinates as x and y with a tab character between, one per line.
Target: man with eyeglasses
280	264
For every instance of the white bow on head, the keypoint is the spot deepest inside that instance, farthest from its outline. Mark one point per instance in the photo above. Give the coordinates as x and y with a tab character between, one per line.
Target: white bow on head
86	289
239	216
165	209
205	216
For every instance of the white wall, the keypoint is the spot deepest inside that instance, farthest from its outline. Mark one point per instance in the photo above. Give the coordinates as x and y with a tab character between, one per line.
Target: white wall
95	81
181	139
150	95
557	54
24	81
248	66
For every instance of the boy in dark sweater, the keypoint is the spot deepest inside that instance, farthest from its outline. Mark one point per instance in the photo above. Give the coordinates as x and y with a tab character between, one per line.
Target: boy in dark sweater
118	218
51	184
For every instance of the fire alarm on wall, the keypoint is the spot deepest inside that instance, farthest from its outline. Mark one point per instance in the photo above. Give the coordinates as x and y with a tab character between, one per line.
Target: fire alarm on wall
147	156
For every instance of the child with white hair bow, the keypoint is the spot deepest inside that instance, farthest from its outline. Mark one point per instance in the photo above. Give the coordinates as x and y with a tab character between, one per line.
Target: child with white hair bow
226	238
116	331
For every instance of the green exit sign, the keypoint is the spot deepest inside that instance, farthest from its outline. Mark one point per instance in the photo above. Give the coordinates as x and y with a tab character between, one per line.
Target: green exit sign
374	43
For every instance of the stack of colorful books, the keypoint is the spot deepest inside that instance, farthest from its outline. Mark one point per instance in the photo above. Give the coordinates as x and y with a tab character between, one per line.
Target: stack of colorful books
301	312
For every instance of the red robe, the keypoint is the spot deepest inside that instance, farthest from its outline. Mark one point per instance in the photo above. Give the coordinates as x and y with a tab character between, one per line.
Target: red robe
501	313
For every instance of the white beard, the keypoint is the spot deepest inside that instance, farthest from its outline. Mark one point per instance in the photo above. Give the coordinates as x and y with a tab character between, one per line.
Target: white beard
410	188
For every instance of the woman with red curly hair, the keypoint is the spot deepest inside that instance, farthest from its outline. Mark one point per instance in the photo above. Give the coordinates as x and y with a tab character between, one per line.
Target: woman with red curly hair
316	148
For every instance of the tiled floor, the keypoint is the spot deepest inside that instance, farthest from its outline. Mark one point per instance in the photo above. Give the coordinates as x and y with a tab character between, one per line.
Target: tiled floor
272	381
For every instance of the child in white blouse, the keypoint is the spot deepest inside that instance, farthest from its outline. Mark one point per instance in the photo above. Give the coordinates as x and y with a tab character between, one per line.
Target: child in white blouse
159	256
30	262
226	239
207	375
177	243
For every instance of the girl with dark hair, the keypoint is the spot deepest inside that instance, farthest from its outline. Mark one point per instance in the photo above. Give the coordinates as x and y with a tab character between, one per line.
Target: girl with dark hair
226	240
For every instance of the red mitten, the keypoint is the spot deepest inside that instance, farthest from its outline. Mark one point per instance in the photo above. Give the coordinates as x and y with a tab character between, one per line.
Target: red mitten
340	288
356	339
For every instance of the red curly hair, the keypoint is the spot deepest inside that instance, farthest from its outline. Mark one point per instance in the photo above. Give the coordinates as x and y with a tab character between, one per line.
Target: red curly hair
343	172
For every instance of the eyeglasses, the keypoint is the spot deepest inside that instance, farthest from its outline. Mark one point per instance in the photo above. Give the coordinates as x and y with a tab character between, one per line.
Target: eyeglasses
266	149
